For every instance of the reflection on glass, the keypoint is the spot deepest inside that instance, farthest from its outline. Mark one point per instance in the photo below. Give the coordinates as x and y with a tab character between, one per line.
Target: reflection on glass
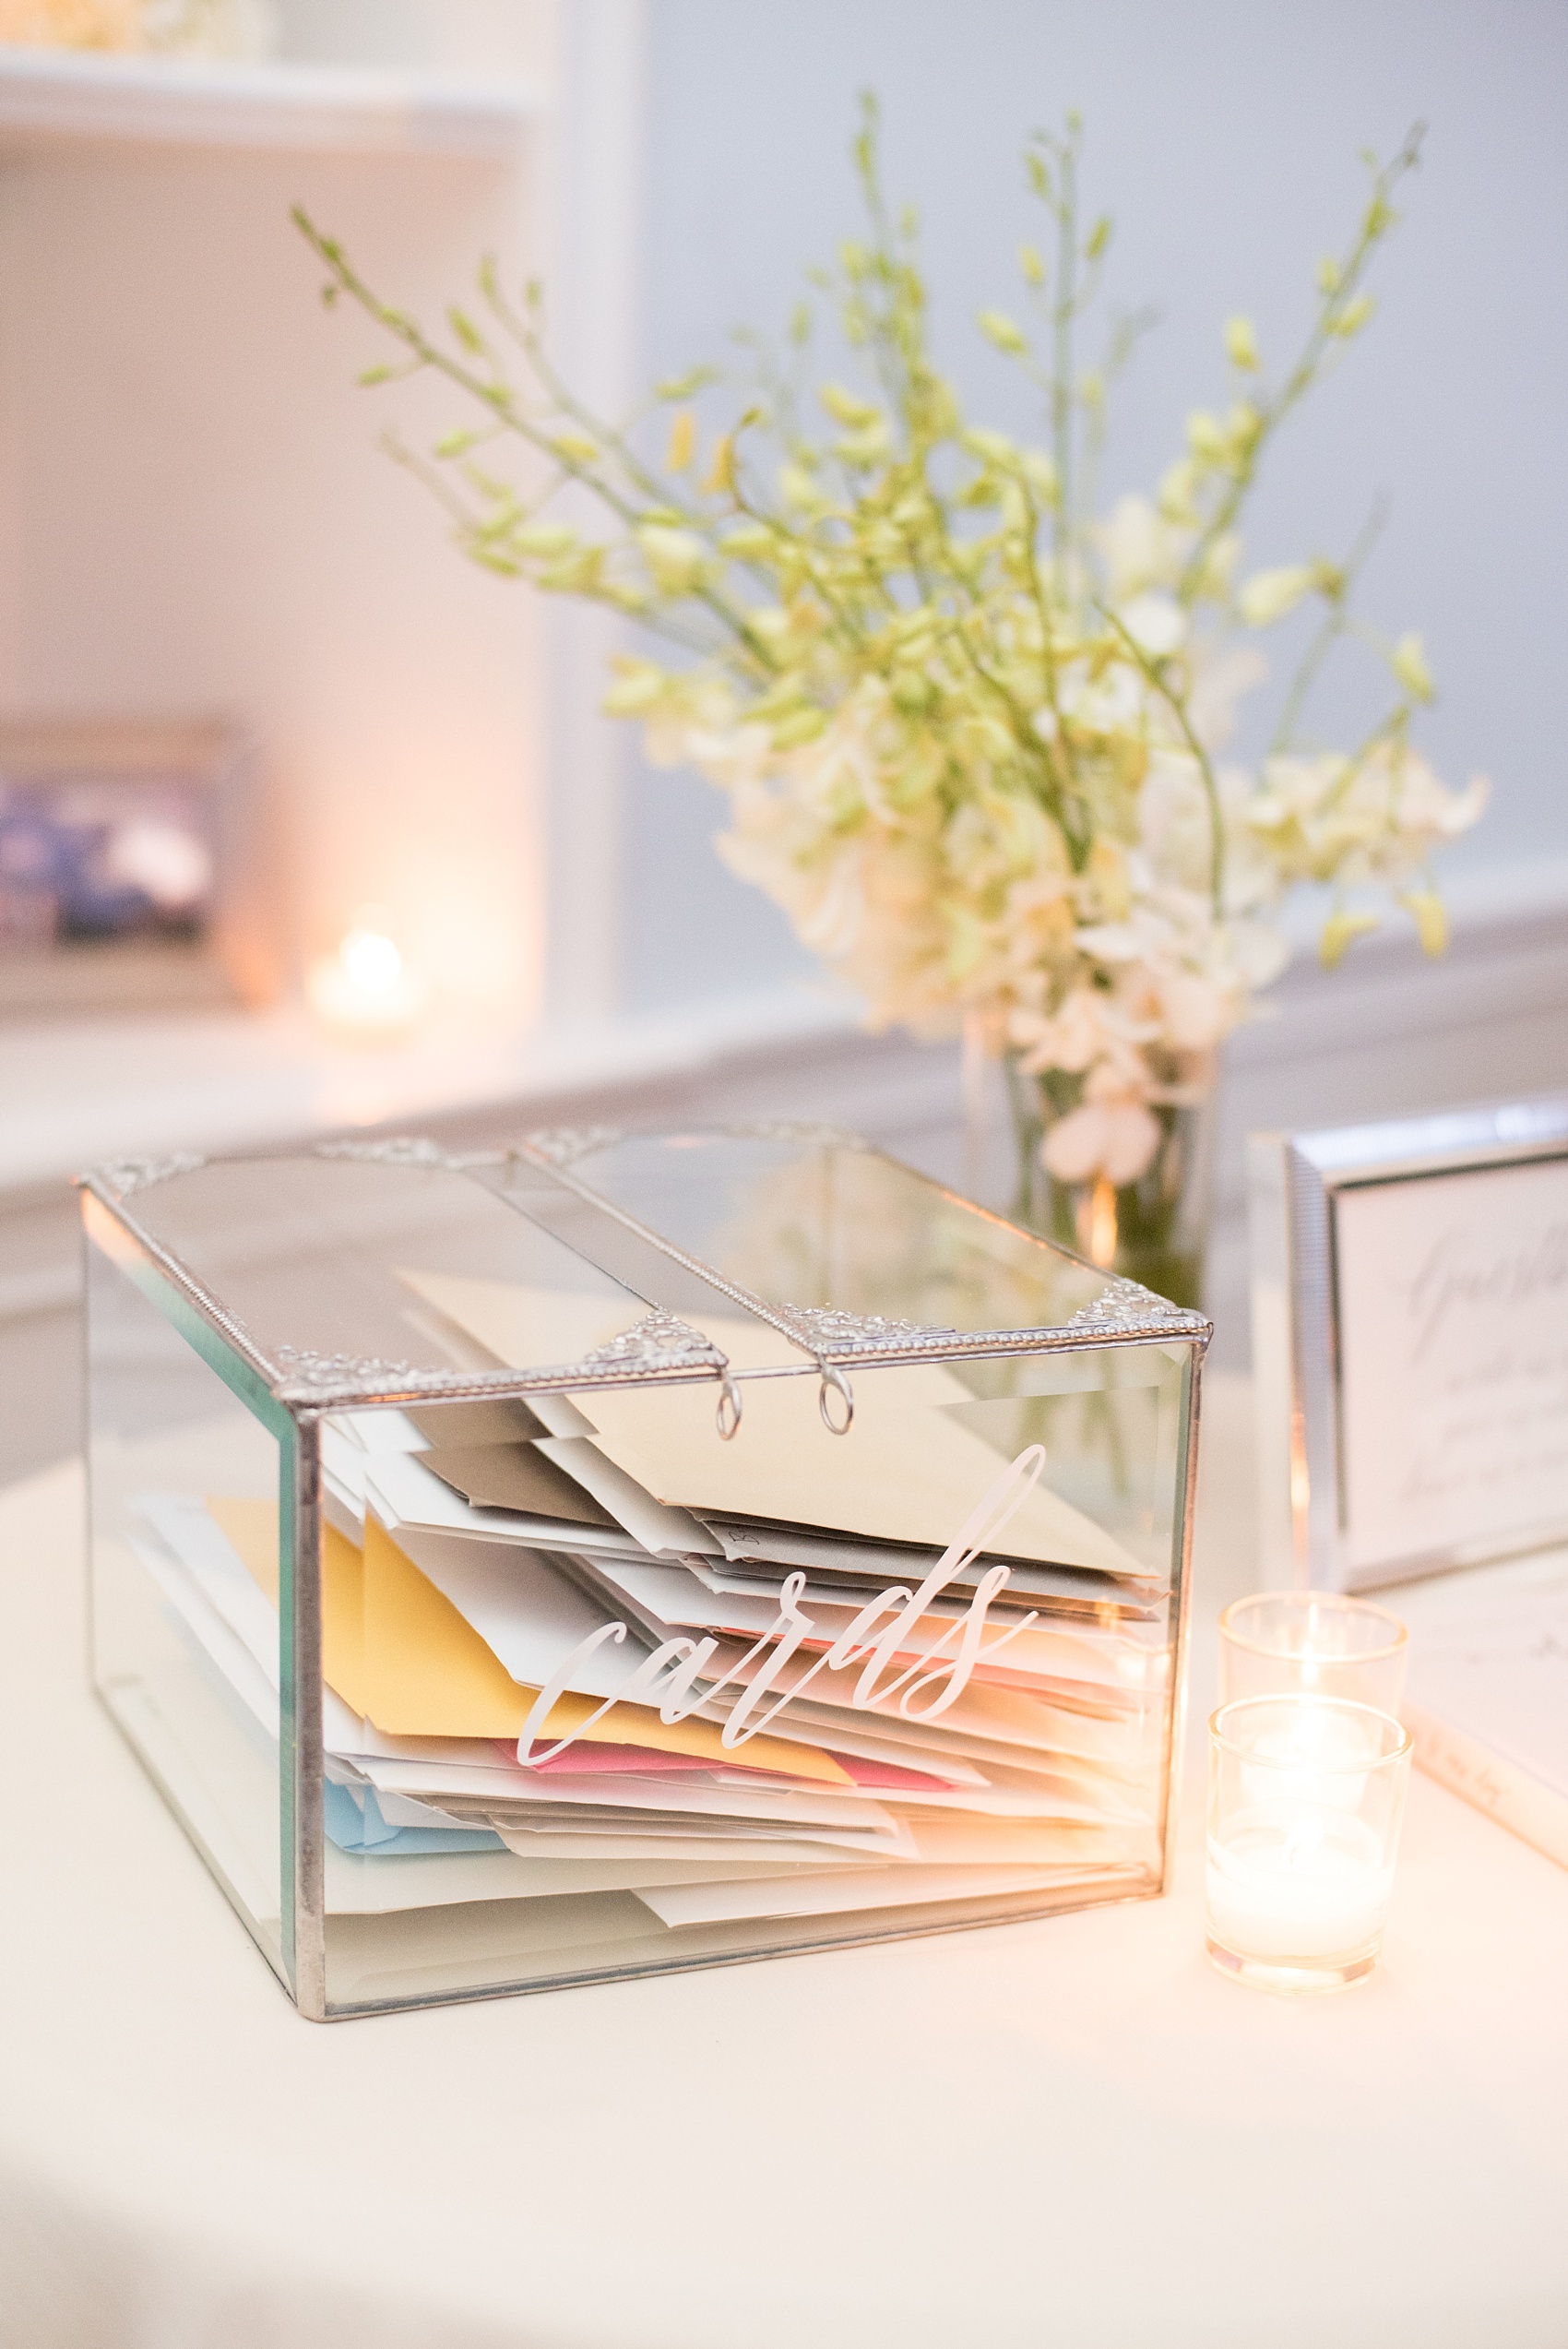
184	1575
826	1225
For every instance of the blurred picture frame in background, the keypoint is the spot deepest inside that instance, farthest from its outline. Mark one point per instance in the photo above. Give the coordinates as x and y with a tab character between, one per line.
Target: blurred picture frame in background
128	872
1409	1342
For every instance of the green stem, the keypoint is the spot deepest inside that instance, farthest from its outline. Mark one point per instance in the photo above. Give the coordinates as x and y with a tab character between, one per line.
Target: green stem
1061	367
1152	671
1376	223
503	404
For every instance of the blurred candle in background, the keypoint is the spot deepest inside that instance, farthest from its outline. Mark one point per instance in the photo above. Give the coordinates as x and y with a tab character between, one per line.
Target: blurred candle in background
365	994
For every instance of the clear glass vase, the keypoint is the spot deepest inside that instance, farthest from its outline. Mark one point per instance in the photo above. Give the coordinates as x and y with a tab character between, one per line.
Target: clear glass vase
1154	1230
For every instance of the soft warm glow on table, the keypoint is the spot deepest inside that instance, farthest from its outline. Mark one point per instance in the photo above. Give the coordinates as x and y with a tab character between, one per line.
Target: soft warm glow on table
1306	1796
364	993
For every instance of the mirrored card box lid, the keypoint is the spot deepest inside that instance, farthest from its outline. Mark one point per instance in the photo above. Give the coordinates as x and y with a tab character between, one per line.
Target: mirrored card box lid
719	1256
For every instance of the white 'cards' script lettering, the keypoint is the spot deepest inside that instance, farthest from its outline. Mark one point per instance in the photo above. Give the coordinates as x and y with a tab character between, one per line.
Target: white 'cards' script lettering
683	1675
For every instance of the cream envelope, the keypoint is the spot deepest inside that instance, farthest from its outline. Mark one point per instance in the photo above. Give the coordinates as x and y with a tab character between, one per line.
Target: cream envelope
907	1471
531	1329
865	1889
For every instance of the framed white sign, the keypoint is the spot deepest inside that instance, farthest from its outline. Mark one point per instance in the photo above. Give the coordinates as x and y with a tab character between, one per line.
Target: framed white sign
1411	1343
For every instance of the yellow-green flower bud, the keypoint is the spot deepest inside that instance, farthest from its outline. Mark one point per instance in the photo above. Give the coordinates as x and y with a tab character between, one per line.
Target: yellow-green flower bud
802	725
720	477
1408	662
992	448
1041	476
868	446
846	407
1267	596
1176	495
635	686
467	334
1240	342
912	692
548	540
1426	909
797	488
682	441
1353	317
675	558
1000	330
1340	931
1244	428
683	387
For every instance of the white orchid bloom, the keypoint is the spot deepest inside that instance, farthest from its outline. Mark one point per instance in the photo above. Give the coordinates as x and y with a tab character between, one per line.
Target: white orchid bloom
1113	1132
1157	623
1140	548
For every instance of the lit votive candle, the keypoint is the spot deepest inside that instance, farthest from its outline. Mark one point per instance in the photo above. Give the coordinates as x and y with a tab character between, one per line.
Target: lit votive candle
1306	1799
1311	1643
364	993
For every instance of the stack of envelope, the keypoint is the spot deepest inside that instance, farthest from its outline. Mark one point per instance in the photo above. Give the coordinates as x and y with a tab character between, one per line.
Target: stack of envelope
583	1645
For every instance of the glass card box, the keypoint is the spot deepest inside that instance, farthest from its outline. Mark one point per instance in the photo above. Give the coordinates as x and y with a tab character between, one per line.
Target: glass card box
629	1553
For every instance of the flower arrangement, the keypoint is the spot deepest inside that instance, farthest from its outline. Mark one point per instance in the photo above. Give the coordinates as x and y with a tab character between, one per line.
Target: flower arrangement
970	731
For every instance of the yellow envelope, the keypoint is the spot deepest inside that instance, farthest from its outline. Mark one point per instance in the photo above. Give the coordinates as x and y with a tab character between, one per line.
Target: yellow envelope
396	1651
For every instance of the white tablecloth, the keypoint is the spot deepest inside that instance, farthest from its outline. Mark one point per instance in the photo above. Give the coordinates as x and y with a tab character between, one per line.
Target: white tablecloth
1073	2132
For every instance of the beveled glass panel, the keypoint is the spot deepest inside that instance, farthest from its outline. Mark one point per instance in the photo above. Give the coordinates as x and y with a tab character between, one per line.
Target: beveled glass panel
416	1267
185	1484
829	1226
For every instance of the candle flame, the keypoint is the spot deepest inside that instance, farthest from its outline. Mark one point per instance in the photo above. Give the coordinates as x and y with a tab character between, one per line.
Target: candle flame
1102	1223
372	961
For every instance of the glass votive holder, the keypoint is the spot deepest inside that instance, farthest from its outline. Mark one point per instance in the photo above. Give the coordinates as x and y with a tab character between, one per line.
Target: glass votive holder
1306	1799
1311	1643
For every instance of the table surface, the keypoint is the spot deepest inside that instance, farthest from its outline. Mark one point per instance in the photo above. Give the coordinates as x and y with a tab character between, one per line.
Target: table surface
1069	2132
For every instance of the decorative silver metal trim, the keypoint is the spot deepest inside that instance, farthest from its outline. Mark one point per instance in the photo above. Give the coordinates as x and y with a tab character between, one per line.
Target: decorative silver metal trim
826	1330
306	1374
658	1342
654	1347
396	1149
809	1133
1178	1633
562	1145
1127	1305
309	1765
125	1175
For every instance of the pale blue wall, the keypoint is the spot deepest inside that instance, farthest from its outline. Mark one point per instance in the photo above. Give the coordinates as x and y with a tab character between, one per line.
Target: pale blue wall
1223	133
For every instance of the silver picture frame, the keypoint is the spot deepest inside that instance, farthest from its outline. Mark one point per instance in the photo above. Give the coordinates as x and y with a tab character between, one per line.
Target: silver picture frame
1301	1190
